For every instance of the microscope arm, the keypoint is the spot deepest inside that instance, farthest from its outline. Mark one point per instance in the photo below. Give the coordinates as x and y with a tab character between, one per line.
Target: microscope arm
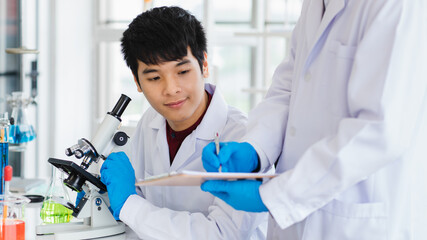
94	206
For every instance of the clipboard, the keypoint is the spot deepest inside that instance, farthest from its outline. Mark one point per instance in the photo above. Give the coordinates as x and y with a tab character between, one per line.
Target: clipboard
196	178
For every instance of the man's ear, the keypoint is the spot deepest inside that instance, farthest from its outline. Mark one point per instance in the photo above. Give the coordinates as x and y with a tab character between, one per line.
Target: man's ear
137	83
205	66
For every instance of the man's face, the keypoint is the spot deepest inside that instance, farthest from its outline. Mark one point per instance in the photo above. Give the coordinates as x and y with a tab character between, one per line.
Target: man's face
175	89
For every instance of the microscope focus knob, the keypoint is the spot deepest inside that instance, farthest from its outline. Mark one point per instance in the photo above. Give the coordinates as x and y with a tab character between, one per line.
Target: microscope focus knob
120	138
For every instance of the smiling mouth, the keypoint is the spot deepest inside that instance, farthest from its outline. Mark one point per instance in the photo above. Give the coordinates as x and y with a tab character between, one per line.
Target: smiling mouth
175	104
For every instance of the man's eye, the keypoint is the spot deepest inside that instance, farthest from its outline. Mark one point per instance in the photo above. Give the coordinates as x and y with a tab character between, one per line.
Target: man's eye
154	79
184	72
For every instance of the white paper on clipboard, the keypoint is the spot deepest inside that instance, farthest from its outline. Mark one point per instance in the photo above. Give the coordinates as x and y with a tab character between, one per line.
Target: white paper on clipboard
195	178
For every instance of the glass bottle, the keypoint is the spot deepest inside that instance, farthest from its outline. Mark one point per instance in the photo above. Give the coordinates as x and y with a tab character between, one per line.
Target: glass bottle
4	147
52	210
21	132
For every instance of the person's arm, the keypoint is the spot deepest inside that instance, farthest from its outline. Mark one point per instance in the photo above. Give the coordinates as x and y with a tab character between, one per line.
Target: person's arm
268	120
223	222
151	222
386	94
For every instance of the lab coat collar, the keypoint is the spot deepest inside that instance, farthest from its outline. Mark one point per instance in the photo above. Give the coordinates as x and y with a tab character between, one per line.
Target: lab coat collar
334	7
215	117
319	25
158	125
214	121
158	122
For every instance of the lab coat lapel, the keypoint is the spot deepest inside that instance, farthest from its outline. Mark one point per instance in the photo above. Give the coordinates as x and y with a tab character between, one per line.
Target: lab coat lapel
316	26
158	124
315	10
334	7
186	150
215	118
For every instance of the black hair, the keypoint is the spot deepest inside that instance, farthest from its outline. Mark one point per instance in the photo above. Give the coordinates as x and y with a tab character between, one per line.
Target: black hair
163	34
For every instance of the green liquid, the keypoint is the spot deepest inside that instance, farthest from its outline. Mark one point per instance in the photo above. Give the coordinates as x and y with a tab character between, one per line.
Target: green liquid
53	212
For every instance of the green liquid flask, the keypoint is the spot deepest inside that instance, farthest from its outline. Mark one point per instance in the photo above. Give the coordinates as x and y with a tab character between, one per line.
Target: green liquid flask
52	211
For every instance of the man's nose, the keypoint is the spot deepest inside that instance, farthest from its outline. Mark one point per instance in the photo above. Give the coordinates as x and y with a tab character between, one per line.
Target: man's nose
172	86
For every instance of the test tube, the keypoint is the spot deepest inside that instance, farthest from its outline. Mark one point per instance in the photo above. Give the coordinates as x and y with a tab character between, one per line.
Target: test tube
4	147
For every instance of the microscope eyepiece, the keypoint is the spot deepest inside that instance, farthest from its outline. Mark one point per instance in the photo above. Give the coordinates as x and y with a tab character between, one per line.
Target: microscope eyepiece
71	150
120	106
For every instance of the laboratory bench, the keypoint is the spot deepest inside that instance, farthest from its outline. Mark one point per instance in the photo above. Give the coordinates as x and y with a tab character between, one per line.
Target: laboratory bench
32	215
32	219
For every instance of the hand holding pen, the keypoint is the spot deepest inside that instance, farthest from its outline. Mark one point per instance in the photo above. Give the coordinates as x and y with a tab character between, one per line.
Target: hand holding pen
234	157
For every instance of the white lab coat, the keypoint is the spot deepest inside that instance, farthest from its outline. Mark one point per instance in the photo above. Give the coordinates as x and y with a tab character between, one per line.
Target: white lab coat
186	212
346	119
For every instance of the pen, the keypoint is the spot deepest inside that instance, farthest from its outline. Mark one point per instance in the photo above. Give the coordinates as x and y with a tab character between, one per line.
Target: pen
217	148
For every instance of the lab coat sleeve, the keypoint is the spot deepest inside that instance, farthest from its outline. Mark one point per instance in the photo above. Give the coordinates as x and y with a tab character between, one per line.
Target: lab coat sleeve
386	90
272	111
223	222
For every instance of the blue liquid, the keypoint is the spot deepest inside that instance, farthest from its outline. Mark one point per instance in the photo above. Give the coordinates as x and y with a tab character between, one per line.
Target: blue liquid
21	134
4	161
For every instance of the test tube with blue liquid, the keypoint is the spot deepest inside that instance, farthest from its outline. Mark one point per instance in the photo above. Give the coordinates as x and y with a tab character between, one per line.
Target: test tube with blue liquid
4	147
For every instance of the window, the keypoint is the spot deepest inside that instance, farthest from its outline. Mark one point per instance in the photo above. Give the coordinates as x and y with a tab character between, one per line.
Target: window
247	39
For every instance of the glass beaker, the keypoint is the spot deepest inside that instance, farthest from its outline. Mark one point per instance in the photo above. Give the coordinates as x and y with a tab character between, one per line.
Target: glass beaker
21	131
52	210
12	210
4	147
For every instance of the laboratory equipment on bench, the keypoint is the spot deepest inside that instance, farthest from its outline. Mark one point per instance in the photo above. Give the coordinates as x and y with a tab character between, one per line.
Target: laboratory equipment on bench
98	221
52	211
21	132
12	226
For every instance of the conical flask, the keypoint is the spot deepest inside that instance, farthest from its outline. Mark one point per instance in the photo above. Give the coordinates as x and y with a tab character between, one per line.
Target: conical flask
21	131
52	210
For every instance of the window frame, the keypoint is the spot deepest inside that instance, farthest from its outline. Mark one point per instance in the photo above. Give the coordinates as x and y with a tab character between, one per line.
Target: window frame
256	38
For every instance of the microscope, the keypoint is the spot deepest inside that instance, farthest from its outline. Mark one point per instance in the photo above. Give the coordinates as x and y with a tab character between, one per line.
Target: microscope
98	221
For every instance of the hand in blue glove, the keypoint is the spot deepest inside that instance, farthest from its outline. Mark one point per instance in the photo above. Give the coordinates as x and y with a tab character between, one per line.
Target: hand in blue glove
79	197
118	175
233	157
241	195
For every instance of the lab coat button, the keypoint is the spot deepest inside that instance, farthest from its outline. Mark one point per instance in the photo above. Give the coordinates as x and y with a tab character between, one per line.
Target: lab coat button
292	131
307	77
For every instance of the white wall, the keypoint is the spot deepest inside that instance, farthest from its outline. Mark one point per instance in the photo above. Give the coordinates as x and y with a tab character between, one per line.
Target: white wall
65	44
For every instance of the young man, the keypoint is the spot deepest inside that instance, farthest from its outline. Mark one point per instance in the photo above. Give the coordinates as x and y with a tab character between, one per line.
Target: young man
166	50
346	121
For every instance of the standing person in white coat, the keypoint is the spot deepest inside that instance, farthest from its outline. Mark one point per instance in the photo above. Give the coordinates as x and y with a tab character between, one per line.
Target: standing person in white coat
345	120
166	50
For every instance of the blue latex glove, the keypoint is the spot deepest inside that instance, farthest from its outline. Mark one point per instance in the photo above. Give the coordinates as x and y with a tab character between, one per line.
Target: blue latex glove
233	157
118	175
241	195
79	197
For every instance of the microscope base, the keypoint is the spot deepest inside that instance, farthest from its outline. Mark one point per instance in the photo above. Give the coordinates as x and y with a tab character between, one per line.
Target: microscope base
79	230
